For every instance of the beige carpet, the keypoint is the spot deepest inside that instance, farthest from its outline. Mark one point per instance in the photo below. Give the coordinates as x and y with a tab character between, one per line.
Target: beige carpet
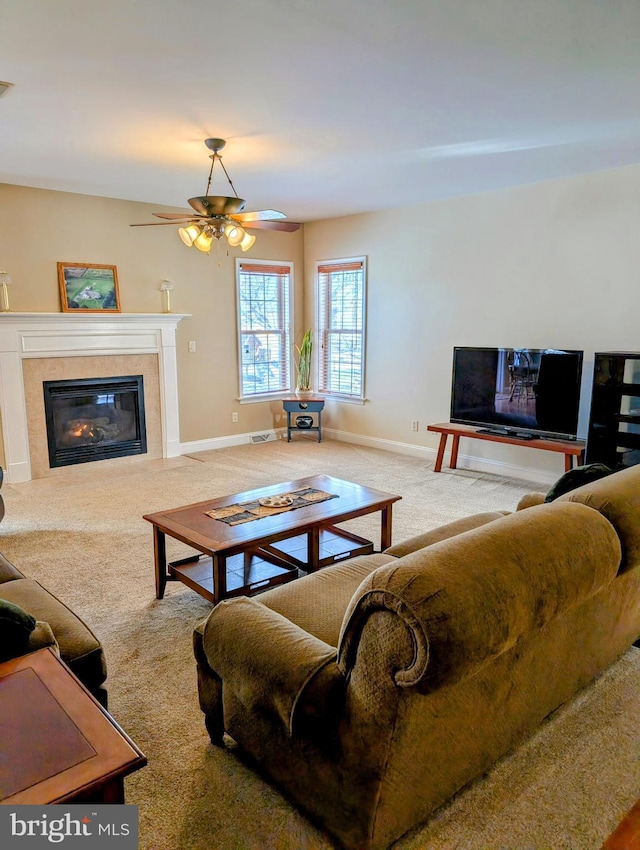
82	535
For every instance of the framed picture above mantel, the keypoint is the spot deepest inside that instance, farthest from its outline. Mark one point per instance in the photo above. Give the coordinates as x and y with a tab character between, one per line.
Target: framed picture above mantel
88	288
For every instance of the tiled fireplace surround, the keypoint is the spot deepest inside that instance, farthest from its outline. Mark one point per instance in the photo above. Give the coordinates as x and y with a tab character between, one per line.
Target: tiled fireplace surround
37	347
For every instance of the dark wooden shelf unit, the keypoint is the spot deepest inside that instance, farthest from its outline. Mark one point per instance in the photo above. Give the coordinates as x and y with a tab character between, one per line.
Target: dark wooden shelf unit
614	420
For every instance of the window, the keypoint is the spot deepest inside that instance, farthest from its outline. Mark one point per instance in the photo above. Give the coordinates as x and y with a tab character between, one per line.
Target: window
341	320
263	327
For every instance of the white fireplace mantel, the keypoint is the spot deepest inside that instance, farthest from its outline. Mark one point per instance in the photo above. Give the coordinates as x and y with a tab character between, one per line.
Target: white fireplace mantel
30	335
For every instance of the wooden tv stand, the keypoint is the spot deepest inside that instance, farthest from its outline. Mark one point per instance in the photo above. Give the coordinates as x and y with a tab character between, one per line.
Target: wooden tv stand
569	448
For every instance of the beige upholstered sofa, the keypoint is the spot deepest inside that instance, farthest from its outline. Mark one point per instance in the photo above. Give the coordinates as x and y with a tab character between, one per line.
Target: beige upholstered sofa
373	690
57	626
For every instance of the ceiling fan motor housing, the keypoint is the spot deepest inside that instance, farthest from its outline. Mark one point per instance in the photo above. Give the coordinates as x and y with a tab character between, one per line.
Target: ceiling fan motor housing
217	205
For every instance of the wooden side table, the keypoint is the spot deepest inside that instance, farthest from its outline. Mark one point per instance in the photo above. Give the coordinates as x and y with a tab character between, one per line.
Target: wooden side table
626	835
304	407
58	744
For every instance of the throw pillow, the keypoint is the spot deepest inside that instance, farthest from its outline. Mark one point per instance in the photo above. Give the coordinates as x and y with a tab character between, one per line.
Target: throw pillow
576	478
15	628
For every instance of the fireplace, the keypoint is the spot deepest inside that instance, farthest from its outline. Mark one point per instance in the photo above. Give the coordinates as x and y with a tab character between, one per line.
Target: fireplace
94	419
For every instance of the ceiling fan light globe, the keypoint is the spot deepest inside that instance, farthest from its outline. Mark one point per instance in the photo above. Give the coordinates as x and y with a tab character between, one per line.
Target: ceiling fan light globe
203	242
234	234
189	234
247	241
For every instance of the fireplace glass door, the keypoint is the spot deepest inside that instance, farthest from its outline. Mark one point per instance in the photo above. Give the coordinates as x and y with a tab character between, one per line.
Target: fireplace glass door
94	419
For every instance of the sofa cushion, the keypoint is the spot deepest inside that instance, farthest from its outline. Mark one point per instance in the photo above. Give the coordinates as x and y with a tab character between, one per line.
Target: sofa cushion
15	629
443	532
79	647
317	602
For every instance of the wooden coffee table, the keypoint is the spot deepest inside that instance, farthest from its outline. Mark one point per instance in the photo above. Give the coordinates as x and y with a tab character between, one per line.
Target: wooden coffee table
62	746
246	558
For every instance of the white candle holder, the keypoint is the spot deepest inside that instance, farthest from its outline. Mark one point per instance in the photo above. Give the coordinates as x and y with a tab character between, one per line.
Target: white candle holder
5	282
166	288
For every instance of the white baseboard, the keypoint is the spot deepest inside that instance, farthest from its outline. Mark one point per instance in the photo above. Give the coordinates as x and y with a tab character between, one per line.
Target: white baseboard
477	464
470	462
226	442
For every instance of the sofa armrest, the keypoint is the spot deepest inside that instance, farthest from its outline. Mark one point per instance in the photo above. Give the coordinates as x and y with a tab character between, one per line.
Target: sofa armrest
471	598
529	500
43	636
7	571
266	659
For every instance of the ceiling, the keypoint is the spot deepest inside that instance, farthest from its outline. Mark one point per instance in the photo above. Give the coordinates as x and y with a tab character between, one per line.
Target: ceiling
329	107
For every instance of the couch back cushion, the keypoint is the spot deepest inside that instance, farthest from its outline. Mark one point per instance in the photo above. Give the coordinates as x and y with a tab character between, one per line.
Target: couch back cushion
617	497
470	598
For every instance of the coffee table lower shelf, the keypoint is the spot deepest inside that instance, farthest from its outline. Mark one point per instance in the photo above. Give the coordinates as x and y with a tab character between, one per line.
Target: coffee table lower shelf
267	566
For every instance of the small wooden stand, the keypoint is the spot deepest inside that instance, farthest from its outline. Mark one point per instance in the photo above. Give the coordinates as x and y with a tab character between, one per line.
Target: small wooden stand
569	448
305	406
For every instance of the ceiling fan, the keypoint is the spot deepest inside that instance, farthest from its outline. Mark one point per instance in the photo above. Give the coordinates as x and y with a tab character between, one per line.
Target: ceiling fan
217	215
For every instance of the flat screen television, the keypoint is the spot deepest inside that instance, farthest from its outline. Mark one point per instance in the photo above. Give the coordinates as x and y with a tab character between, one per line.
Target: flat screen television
521	392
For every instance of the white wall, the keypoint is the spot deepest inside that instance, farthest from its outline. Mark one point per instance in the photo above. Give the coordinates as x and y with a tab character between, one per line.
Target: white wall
551	265
38	228
555	264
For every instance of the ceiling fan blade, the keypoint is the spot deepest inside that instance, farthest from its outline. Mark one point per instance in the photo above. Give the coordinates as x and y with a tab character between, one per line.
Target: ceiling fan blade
258	215
164	223
288	226
173	216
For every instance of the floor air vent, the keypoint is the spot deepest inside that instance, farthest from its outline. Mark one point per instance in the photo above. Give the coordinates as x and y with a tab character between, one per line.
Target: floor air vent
262	438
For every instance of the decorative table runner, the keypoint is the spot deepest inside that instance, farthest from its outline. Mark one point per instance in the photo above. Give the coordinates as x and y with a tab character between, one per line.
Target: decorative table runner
248	511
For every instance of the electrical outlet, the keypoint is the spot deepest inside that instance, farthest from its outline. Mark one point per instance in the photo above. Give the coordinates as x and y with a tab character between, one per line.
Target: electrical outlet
414	424
234	417
192	346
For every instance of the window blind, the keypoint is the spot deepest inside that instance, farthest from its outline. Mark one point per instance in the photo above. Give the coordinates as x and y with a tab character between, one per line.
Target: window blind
264	328
341	327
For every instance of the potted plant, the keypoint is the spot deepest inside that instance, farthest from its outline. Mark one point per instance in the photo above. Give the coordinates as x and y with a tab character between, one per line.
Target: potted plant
303	366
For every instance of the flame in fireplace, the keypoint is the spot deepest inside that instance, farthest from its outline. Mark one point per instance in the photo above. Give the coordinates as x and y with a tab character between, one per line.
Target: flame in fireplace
87	431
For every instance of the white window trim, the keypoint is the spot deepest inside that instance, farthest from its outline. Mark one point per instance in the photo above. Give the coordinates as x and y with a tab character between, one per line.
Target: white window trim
332	396
254	399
